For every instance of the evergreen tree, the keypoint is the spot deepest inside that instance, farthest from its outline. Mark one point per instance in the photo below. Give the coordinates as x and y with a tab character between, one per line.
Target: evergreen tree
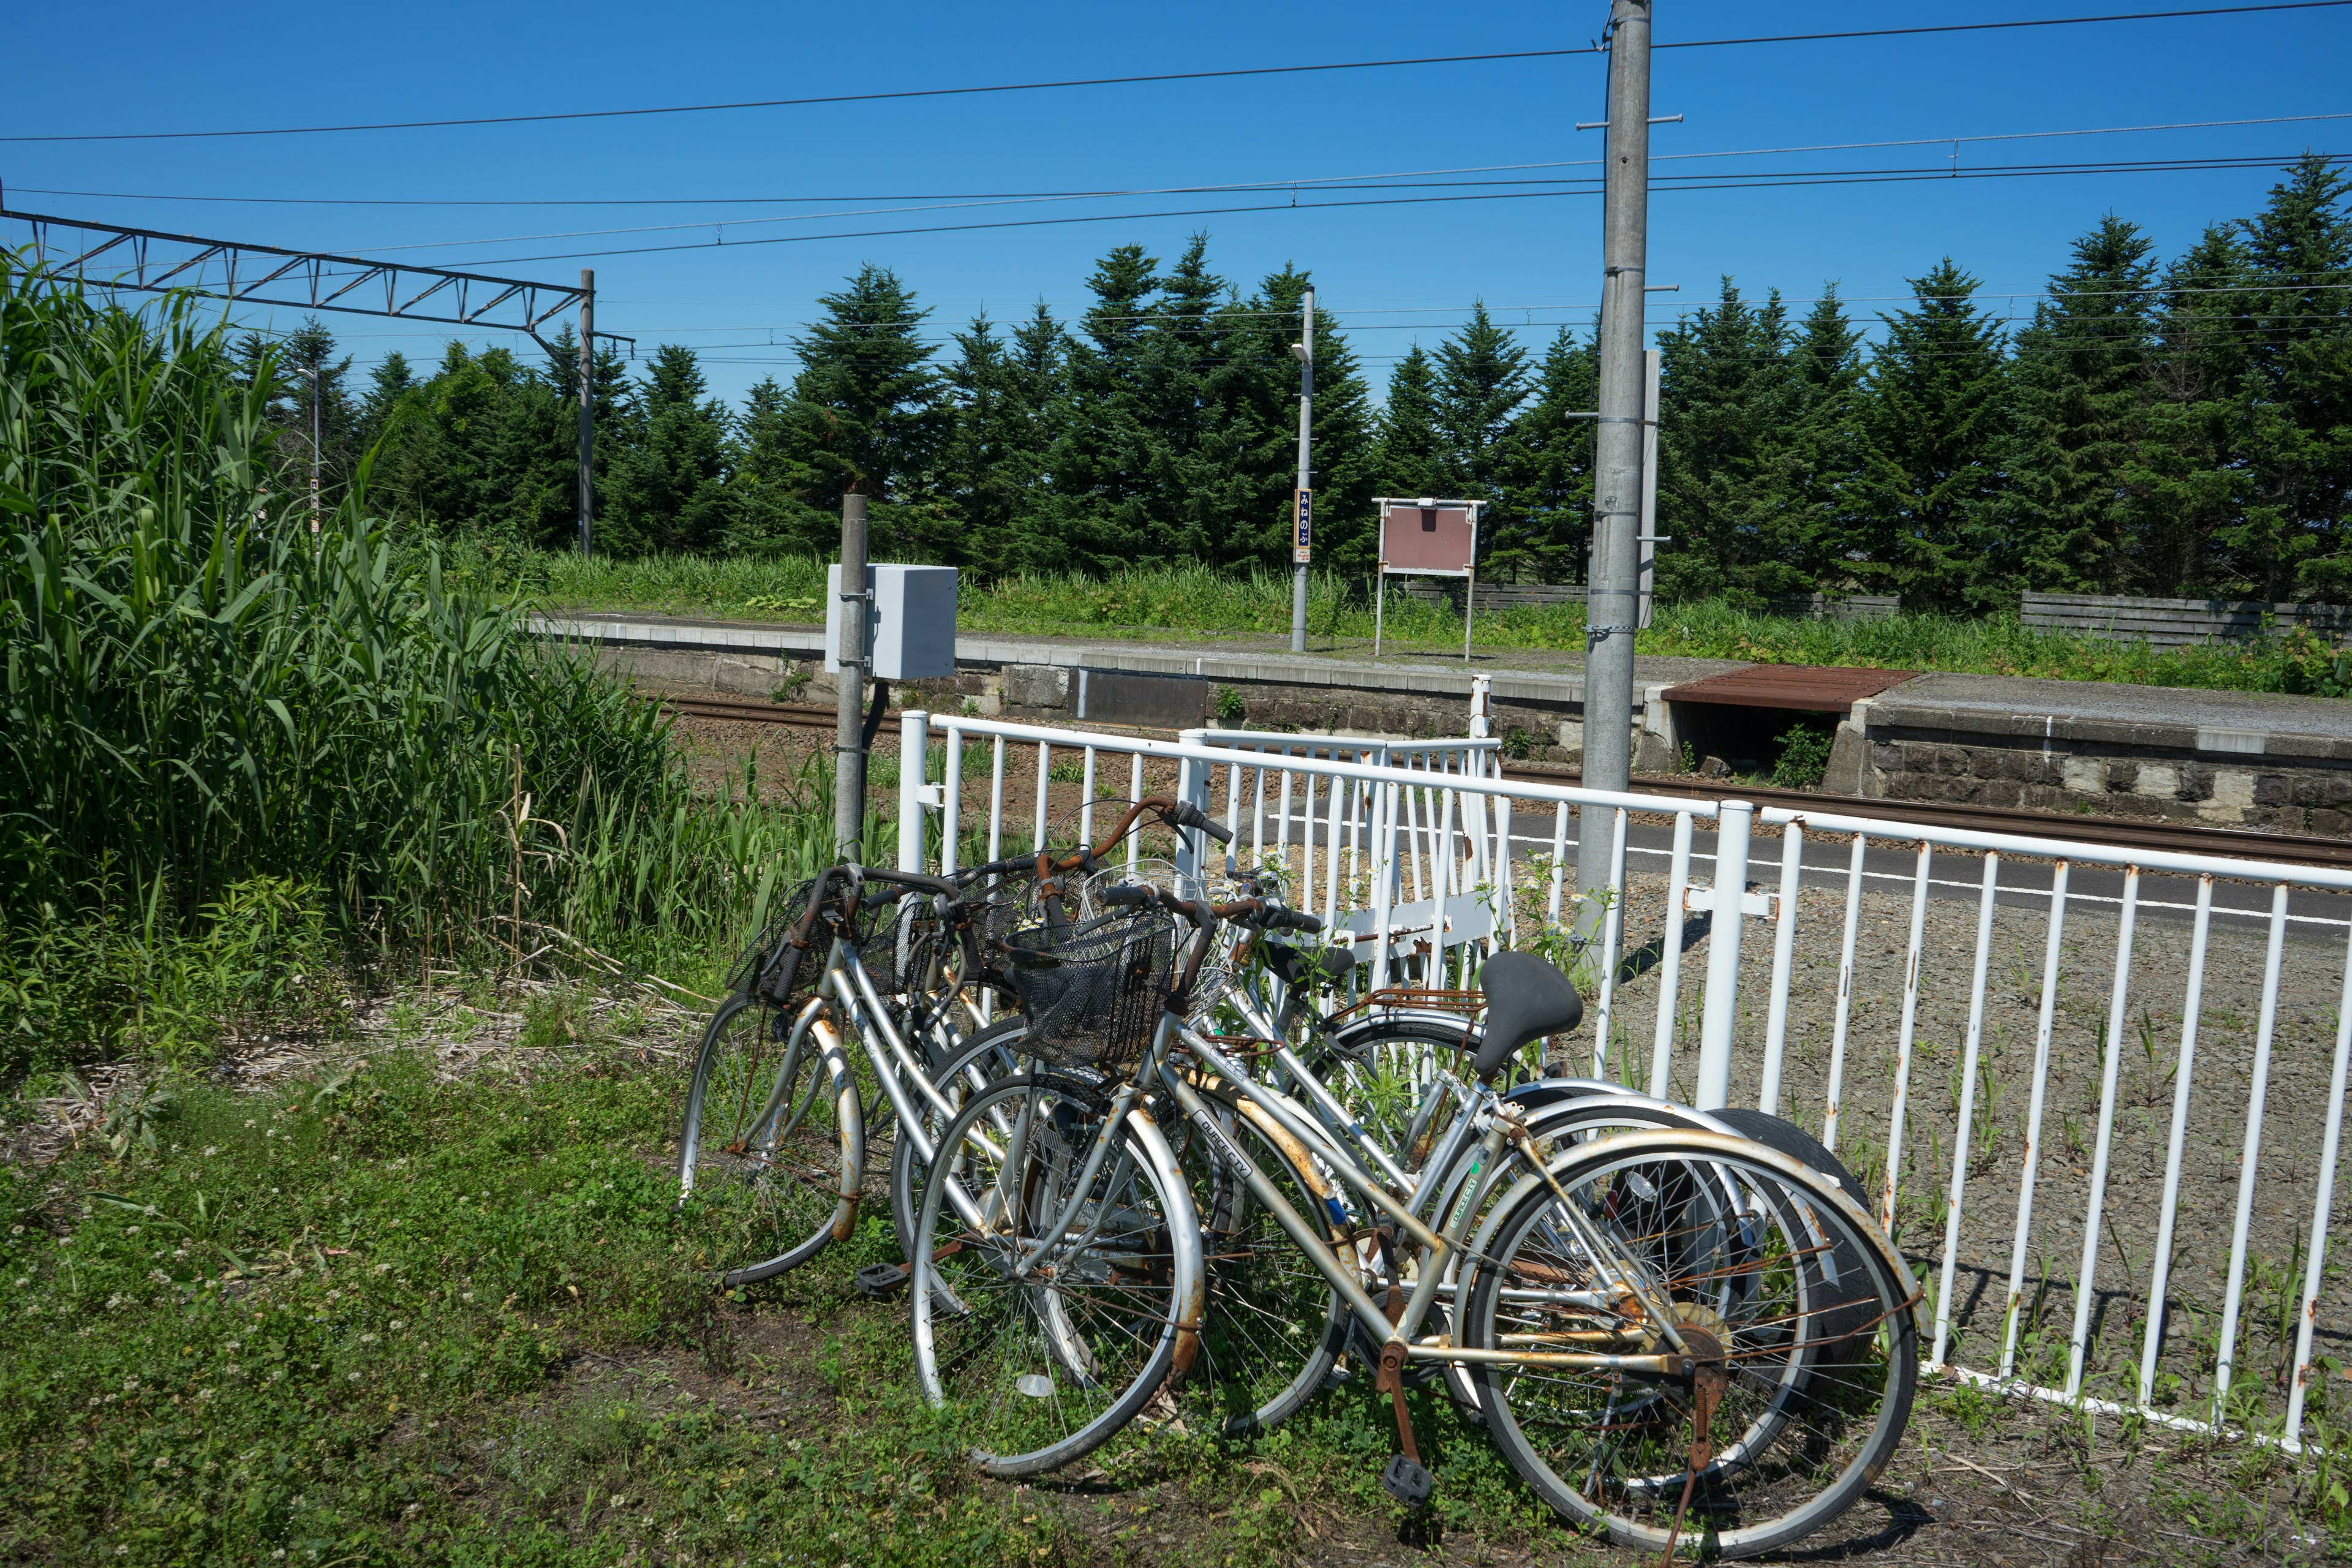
670	490
2081	372
1726	402
1935	415
1482	379
2295	404
1262	416
313	374
1821	461
870	411
2183	484
1547	469
1411	451
1196	427
1101	461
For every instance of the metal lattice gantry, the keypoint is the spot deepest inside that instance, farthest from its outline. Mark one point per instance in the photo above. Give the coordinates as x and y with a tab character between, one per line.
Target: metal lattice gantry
110	256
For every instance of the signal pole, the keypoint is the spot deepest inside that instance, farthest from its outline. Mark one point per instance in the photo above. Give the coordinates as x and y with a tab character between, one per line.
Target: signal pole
588	405
849	718
1611	609
1302	503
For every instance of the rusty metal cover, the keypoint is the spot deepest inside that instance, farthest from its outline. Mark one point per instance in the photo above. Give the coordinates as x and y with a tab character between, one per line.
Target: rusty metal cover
1804	688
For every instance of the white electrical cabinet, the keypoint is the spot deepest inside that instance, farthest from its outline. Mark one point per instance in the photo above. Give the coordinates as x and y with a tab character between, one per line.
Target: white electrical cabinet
909	626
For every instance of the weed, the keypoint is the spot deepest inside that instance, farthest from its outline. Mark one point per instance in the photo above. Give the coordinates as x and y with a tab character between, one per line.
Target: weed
1231	708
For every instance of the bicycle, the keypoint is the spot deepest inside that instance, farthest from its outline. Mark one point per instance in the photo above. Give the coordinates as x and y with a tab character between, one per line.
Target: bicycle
1702	1269
777	1108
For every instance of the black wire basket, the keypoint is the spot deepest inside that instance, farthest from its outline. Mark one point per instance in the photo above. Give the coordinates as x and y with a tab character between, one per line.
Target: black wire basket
902	944
779	972
1093	998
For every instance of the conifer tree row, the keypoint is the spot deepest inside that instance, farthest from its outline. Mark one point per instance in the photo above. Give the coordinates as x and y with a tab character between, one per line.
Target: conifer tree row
2178	427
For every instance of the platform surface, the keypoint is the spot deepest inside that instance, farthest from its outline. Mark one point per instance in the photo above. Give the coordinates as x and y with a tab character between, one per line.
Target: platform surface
2096	711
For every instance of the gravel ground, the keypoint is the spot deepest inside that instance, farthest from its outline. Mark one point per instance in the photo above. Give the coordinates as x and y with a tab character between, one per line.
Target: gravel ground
2294	1122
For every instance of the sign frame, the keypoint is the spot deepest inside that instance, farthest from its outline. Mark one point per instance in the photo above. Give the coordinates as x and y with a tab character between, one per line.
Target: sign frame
1468	573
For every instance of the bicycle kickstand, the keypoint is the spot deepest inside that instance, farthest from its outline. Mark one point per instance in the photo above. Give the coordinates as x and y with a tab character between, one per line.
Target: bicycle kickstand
1404	1480
1708	1384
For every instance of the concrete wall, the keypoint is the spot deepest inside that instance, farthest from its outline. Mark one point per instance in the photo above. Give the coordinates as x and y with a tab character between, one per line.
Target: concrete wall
2231	778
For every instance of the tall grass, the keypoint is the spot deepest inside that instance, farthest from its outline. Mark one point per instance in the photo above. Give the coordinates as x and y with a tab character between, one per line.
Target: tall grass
1196	599
219	722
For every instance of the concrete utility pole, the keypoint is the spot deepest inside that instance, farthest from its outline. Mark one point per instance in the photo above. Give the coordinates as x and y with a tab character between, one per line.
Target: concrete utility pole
587	406
1609	602
849	737
1302	503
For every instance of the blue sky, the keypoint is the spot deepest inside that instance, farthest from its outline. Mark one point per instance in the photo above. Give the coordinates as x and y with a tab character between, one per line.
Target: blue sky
1395	275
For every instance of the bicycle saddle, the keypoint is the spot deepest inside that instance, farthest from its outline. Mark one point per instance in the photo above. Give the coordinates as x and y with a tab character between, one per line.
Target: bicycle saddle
1527	999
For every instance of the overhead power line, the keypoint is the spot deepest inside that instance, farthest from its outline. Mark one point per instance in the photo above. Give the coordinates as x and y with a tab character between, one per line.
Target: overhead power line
1227	74
1662	184
1276	184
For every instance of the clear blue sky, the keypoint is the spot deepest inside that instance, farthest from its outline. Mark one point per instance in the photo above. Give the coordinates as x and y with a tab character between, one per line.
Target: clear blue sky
1395	275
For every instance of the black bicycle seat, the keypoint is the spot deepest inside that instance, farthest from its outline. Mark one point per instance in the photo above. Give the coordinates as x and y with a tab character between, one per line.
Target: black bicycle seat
1527	999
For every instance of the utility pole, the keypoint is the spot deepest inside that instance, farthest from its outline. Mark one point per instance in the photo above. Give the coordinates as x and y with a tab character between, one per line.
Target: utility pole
849	737
1303	502
1609	603
587	408
313	374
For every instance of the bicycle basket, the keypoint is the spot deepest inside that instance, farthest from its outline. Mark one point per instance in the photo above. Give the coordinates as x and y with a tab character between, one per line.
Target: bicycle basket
777	970
902	944
1093	998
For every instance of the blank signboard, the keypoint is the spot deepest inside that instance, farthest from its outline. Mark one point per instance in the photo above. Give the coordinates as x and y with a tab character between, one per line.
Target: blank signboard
1428	539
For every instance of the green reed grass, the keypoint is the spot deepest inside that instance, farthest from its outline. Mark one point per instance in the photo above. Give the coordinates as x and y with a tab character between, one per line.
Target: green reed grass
205	699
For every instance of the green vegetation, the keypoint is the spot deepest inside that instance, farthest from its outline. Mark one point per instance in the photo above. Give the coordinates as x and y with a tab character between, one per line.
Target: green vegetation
237	752
2157	427
1159	601
374	1317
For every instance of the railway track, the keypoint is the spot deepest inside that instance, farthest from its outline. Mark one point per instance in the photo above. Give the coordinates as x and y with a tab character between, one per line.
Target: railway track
2177	837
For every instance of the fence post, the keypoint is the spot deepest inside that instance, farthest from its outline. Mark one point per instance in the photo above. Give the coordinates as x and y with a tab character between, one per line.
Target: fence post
914	750
1193	780
1714	1089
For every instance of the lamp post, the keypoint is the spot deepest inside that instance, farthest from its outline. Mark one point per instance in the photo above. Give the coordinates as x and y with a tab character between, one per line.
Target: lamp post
318	396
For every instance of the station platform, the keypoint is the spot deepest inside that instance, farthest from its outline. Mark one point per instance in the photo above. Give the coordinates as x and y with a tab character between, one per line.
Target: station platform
2235	759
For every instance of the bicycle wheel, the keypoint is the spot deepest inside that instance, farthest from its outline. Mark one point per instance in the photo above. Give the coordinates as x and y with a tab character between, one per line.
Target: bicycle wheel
991	1054
1804	1415
1393	1077
1275	1325
1039	1348
772	1142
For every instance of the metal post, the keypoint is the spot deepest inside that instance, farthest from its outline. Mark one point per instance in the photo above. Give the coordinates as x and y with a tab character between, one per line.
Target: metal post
1609	604
1721	1005
914	790
1193	781
1646	573
587	408
849	745
1302	503
317	398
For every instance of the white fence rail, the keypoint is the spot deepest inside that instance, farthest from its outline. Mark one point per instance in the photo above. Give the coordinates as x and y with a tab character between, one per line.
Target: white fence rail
2173	1108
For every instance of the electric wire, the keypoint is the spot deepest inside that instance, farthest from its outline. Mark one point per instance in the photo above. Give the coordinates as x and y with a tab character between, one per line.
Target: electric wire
1227	74
1275	183
1717	182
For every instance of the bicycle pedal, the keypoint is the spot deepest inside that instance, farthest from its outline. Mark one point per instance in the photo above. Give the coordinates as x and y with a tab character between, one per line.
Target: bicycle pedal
1407	1481
879	1279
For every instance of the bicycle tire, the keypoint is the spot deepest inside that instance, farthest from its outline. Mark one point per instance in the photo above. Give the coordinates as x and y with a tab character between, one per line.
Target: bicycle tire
776	1164
1275	1325
983	1058
1808	1447
1041	1367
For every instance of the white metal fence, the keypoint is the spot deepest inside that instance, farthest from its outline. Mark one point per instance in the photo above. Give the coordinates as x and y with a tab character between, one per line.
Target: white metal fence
2142	1152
